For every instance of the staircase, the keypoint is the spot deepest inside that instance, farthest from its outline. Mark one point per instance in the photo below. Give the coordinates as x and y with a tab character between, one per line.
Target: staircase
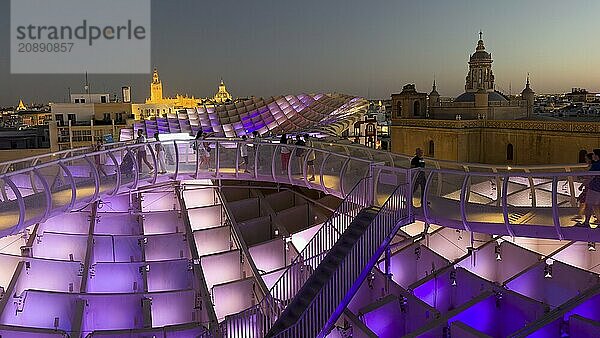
316	307
324	271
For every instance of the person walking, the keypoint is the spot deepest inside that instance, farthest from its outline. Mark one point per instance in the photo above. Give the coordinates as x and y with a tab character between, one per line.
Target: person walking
98	157
310	158
256	139
141	152
592	195
244	152
581	198
299	151
285	153
160	156
419	162
200	147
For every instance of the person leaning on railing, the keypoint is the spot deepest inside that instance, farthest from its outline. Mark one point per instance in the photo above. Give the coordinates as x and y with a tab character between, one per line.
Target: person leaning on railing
419	162
592	196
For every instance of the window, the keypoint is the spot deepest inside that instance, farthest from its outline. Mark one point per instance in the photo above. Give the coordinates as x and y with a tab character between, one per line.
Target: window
119	117
582	154
509	152
399	111
431	149
59	120
106	116
72	118
103	99
417	108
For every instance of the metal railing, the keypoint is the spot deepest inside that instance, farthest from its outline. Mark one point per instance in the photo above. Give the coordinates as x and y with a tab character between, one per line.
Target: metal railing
35	193
324	310
257	320
534	204
457	196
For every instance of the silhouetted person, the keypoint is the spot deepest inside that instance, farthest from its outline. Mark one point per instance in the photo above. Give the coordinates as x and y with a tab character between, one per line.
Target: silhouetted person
141	152
419	162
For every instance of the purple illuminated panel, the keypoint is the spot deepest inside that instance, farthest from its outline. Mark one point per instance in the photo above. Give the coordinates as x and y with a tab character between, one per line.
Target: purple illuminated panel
113	312
500	316
566	282
387	320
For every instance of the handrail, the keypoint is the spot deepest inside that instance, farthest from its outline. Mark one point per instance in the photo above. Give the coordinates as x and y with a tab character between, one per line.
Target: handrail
63	173
324	310
294	276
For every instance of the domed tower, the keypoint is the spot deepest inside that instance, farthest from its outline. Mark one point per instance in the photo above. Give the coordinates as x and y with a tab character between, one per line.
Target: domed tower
222	95
528	95
434	97
480	74
156	89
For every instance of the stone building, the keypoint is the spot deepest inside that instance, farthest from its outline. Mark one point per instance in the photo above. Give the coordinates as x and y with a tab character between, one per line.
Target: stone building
483	125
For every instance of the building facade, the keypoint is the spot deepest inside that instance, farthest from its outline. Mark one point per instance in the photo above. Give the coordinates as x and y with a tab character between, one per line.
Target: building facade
485	126
157	105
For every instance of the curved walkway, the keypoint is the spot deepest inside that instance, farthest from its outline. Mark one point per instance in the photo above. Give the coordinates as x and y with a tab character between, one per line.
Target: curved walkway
537	201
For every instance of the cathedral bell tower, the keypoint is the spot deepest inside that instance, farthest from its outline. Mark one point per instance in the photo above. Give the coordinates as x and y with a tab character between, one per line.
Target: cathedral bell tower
480	76
156	90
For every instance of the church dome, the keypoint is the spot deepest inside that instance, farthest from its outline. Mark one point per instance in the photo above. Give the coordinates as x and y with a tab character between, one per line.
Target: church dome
470	97
480	53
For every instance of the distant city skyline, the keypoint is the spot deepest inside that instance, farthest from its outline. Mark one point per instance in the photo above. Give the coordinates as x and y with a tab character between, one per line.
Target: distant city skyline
370	49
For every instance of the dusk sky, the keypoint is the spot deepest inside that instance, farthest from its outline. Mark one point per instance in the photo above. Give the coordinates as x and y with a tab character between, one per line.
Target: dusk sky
366	48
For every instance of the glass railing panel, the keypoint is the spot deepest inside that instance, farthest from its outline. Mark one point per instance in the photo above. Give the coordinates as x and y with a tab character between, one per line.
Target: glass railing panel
187	157
529	200
483	203
297	159
331	171
9	208
386	180
60	186
145	157
32	189
83	174
283	157
168	157
354	172
107	172
577	201
262	154
443	197
229	158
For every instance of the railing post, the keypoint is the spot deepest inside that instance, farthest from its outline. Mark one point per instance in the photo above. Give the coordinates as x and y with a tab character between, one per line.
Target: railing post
217	159
555	216
176	159
463	201
505	204
409	192
370	186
